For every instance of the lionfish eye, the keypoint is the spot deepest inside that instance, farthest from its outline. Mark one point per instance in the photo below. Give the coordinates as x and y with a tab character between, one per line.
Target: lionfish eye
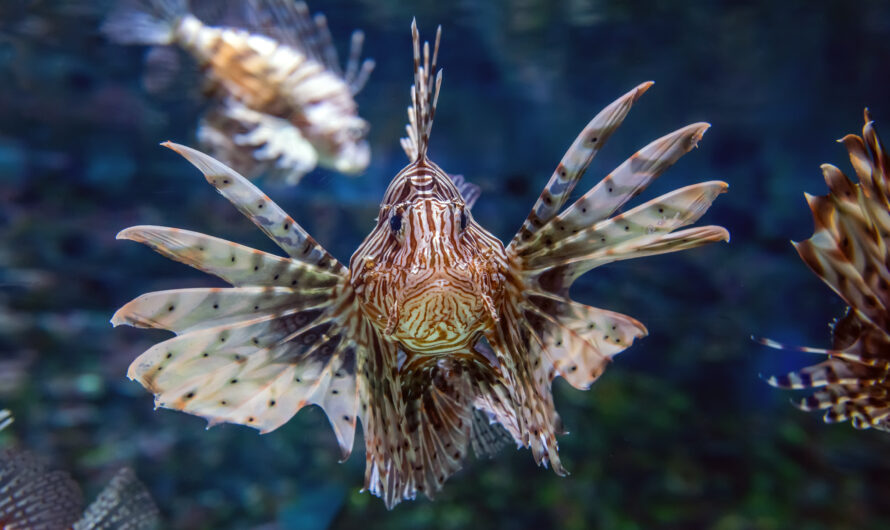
463	220
395	222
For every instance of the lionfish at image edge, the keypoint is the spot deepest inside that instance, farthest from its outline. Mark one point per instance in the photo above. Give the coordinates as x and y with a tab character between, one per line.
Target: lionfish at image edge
849	252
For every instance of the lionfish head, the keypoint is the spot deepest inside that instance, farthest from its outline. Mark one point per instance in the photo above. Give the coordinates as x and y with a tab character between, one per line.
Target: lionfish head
427	275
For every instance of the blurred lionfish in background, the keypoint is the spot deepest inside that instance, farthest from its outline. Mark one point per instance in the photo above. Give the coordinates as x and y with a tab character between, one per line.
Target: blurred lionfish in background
849	252
34	498
436	336
280	102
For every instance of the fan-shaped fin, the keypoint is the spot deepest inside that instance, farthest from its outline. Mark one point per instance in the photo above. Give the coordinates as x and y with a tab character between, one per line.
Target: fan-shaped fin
184	310
662	215
234	263
628	180
260	209
575	162
258	372
579	340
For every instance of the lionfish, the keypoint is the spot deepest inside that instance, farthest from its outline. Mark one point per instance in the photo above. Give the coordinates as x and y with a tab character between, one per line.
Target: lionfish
437	336
35	498
849	252
281	103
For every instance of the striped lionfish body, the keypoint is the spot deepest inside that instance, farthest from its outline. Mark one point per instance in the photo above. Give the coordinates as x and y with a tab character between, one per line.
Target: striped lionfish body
437	336
849	252
280	101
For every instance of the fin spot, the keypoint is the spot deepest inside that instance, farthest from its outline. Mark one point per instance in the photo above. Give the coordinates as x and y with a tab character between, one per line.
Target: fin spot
224	402
190	395
335	391
169	354
233	381
171	308
271	402
205	354
215	306
347	418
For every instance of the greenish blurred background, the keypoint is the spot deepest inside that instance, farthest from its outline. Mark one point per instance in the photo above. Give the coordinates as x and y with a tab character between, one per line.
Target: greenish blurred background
679	433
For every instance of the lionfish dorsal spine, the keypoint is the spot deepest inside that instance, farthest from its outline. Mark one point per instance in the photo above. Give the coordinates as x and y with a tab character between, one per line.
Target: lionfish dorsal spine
424	96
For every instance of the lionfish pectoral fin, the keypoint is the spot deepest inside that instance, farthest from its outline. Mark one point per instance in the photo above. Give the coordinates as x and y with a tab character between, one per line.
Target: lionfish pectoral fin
575	162
257	368
257	353
578	340
260	209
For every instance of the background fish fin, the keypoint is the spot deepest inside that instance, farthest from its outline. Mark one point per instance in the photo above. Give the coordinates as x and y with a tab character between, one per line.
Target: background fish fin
34	497
260	209
290	23
469	192
575	162
261	143
124	504
144	21
6	419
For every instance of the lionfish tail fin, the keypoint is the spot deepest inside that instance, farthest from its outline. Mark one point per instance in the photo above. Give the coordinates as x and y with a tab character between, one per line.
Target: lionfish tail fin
418	449
257	353
424	96
124	503
145	21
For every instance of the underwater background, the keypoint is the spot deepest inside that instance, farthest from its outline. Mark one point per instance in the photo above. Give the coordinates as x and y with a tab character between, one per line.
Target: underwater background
680	432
